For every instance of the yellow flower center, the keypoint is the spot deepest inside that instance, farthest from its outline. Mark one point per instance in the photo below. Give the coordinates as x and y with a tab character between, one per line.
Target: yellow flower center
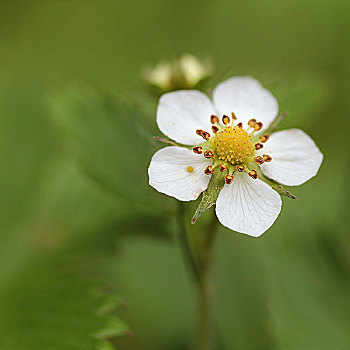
231	148
233	145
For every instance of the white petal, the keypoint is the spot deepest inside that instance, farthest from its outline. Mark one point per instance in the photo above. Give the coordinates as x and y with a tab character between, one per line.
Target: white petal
248	206
168	173
295	157
247	98
181	113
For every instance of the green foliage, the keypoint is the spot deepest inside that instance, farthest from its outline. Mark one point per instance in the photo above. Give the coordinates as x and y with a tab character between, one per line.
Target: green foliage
66	247
52	304
108	139
301	96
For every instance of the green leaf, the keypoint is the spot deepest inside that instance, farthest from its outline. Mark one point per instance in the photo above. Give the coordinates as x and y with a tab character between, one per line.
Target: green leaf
304	95
113	327
210	195
51	305
110	142
104	345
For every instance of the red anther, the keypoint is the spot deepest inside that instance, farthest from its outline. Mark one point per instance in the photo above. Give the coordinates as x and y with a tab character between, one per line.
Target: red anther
205	135
264	138
258	126
259	160
214	119
223	167
197	149
225	119
215	129
267	158
253	174
228	179
252	122
209	170
208	154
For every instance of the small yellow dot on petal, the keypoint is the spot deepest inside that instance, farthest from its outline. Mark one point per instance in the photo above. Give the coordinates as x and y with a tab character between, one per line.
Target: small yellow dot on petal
190	169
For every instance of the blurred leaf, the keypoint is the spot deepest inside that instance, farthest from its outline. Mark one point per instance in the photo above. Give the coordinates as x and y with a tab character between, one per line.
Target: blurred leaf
113	327
303	95
110	142
51	305
104	345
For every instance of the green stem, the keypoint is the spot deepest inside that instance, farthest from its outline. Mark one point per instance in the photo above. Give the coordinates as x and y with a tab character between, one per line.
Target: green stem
185	244
205	331
198	252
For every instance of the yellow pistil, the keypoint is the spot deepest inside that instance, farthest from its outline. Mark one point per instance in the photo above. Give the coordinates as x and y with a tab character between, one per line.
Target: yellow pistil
233	145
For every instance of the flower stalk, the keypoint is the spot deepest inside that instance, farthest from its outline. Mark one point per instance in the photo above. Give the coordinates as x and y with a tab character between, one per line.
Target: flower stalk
198	249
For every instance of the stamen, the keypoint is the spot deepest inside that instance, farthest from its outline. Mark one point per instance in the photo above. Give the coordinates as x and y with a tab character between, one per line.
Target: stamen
215	129
253	174
258	126
264	138
252	122
190	169
214	119
209	170
203	133
197	149
240	168
225	119
259	146
240	125
228	179
223	167
267	158
208	154
259	160
233	116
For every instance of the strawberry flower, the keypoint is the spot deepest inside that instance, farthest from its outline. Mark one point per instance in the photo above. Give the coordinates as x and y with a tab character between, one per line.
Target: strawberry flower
226	135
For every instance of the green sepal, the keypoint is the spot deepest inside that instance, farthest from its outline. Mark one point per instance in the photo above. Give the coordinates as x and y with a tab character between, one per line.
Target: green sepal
274	184
279	188
168	141
173	143
210	195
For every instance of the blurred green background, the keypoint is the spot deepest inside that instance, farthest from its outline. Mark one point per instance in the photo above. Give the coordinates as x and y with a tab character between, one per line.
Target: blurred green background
83	254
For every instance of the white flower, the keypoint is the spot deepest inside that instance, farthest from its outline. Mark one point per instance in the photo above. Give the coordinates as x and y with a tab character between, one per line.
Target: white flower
246	204
186	71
